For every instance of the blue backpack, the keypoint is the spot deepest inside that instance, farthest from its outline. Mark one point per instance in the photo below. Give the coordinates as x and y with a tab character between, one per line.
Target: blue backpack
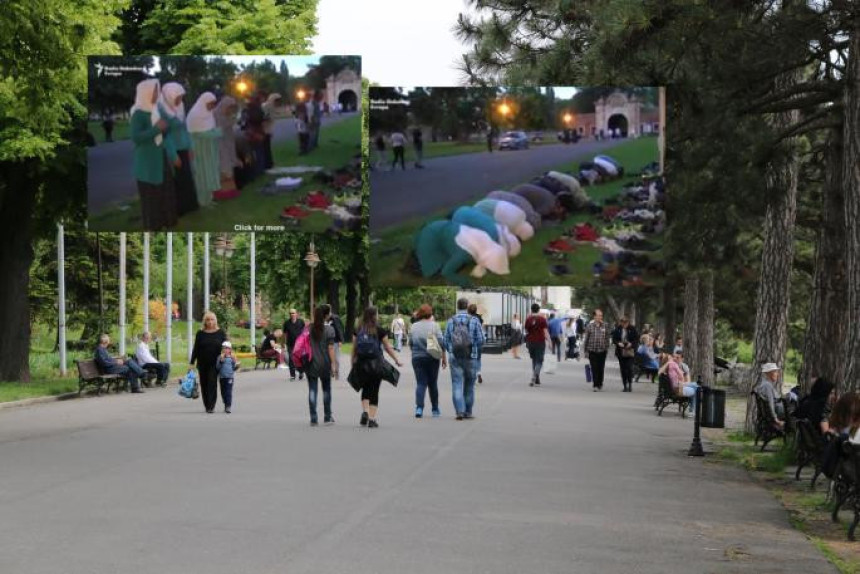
366	345
188	385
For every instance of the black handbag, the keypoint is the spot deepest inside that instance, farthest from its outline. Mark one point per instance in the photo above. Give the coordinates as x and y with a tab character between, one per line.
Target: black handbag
352	379
388	372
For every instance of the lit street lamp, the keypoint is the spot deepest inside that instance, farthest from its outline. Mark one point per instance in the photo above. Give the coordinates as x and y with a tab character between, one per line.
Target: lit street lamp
312	259
300	95
242	86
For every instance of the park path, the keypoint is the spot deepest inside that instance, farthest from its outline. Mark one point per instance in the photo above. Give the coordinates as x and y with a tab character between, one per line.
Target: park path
109	166
449	181
551	480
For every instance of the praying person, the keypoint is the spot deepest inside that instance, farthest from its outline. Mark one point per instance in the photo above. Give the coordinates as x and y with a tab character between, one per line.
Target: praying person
205	137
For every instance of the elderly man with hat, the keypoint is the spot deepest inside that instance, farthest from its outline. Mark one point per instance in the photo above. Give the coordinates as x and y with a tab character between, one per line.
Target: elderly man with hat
766	389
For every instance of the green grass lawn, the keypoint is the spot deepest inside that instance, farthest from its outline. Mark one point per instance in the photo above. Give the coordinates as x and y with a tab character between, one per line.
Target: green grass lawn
120	130
390	250
339	142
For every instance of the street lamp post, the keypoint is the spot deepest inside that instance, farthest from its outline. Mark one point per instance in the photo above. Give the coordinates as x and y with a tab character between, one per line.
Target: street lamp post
312	259
224	248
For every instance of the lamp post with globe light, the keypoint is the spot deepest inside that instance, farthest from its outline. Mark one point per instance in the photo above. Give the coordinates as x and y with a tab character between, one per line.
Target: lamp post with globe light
312	259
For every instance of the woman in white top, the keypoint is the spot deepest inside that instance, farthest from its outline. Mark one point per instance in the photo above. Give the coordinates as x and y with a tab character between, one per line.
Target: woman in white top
516	336
398	146
570	333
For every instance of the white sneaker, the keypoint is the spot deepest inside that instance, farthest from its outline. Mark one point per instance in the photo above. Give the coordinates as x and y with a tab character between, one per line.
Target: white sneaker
282	367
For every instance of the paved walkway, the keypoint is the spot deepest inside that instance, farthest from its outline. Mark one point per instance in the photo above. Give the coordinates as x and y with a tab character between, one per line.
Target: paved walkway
449	181
547	480
109	166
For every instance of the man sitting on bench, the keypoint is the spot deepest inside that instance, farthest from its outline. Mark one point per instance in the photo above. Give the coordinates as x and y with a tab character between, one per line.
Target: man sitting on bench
765	389
109	366
148	362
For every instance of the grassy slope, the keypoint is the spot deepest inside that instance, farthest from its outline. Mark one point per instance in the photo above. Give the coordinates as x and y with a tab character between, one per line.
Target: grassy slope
338	143
531	267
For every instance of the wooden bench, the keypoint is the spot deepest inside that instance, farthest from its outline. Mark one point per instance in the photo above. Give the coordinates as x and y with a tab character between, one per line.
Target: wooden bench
666	396
265	361
765	425
89	376
846	487
811	444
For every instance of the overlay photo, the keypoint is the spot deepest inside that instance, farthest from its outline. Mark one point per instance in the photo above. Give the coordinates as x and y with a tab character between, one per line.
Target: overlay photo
516	186
224	143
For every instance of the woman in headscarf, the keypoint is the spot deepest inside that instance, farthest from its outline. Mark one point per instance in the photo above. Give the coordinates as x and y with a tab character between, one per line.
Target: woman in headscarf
225	119
815	407
205	136
269	127
172	110
152	158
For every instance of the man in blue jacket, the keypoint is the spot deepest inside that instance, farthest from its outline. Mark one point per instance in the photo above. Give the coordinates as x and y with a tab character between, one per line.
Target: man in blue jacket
107	365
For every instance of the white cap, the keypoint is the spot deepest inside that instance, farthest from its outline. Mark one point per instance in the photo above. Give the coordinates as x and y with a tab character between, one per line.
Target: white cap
227	345
769	367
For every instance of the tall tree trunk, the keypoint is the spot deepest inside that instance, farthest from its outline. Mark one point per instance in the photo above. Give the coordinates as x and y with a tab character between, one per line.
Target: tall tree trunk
691	318
851	181
351	299
825	344
669	321
705	335
777	255
16	256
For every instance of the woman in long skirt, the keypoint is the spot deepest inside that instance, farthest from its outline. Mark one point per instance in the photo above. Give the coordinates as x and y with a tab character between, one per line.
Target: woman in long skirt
205	136
172	109
152	168
225	118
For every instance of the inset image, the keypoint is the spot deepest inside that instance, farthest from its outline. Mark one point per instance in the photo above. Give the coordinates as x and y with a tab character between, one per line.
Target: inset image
224	143
516	186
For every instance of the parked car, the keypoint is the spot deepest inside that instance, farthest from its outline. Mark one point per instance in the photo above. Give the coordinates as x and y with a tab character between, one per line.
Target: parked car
514	140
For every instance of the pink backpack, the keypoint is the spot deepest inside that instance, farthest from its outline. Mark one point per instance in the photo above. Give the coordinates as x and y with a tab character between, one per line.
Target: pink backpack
302	352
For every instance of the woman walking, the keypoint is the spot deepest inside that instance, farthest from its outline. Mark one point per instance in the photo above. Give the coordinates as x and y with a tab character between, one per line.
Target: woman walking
427	354
228	160
152	166
624	338
367	345
321	367
207	348
205	136
172	109
516	335
570	333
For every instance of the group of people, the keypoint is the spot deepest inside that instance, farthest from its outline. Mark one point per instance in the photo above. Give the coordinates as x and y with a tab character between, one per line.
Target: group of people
183	162
132	369
398	141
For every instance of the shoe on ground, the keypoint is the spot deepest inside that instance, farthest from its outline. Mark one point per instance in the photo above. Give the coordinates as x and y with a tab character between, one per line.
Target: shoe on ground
209	411
594	389
138	391
468	416
459	416
372	424
419	412
301	376
227	410
364	419
328	421
314	423
293	378
436	413
282	367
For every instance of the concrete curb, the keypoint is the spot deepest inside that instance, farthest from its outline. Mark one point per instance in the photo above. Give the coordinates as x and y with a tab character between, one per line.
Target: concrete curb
37	401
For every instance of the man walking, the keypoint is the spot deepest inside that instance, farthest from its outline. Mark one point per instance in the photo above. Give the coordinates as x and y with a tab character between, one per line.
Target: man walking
418	144
556	330
398	329
293	327
537	336
464	339
148	362
107	365
398	147
595	343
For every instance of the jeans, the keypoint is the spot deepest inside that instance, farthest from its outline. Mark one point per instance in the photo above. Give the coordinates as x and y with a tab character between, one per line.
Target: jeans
426	378
571	347
398	338
689	390
598	363
556	347
399	155
162	370
463	373
536	353
312	395
626	365
227	391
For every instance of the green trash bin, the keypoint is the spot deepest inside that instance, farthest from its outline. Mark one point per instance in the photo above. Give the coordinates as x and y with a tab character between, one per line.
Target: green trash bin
713	408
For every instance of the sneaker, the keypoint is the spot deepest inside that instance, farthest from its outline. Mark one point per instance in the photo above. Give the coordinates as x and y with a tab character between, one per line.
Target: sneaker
419	412
436	413
209	411
293	378
314	423
372	424
537	382
301	375
328	421
468	416
459	416
594	389
363	421
532	382
227	410
282	367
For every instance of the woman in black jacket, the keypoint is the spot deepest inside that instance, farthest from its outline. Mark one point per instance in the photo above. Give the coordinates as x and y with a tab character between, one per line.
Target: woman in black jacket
207	348
815	407
624	339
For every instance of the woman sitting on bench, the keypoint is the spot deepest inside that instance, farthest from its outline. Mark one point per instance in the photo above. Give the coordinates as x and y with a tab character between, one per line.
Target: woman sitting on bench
647	357
673	370
815	407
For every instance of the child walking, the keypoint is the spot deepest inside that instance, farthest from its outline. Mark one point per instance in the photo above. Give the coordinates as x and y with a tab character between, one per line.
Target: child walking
226	366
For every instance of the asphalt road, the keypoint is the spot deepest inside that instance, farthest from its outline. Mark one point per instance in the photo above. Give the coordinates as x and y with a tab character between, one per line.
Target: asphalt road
109	167
546	480
448	182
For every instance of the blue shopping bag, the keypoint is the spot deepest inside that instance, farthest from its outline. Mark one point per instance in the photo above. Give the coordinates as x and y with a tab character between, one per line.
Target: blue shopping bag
588	377
188	385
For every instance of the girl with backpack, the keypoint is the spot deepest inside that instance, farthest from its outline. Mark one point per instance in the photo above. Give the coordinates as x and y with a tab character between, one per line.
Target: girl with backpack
320	367
367	345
